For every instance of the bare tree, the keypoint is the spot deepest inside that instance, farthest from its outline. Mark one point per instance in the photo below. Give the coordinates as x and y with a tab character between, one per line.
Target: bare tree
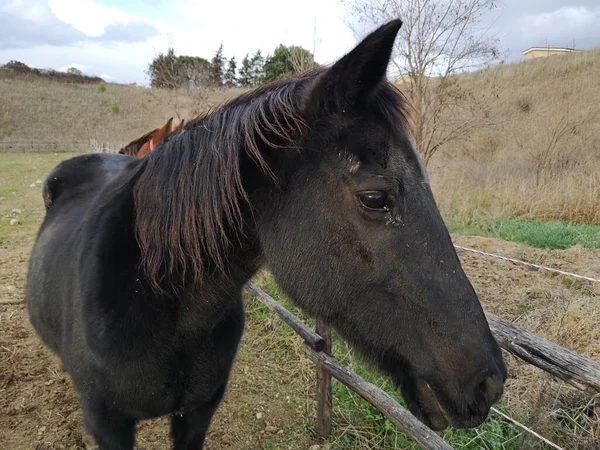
302	60
438	39
185	78
551	157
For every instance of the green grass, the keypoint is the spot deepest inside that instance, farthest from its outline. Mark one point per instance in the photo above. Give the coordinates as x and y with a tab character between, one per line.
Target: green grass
18	171
536	233
359	425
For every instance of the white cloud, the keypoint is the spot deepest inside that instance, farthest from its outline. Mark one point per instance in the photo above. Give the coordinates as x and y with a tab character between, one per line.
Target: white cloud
566	17
565	27
561	23
126	62
109	39
193	27
68	66
88	16
246	26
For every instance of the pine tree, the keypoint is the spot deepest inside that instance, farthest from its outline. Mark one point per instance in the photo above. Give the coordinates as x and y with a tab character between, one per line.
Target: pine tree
252	70
217	69
230	78
245	78
257	70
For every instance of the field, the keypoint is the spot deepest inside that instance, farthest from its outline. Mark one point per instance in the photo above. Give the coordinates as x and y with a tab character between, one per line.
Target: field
270	402
524	185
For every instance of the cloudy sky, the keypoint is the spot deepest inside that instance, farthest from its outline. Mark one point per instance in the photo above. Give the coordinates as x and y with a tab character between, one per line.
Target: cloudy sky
116	38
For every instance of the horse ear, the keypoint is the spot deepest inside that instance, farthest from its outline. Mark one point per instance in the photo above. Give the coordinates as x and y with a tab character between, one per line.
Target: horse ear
157	137
166	129
161	134
357	75
179	128
144	150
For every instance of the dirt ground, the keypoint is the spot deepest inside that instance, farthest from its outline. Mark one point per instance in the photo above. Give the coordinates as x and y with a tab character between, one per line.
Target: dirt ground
267	404
270	403
264	408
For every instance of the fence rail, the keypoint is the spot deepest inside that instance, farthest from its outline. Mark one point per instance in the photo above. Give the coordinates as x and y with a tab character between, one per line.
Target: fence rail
581	372
25	145
380	399
528	264
577	370
377	397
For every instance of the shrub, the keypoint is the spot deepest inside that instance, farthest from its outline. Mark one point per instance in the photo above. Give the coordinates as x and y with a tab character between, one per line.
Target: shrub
524	105
101	87
115	108
17	67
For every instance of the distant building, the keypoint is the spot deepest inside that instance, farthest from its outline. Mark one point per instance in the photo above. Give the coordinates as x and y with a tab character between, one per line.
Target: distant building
408	79
402	79
540	52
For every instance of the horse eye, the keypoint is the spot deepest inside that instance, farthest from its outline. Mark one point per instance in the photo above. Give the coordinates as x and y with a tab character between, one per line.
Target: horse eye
373	200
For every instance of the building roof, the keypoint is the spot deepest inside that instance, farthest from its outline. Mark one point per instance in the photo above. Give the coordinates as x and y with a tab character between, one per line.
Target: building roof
551	49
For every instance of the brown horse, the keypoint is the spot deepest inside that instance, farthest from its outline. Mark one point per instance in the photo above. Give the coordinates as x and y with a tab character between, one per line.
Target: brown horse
143	145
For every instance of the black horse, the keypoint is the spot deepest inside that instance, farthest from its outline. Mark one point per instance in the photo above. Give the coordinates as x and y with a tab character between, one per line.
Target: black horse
135	279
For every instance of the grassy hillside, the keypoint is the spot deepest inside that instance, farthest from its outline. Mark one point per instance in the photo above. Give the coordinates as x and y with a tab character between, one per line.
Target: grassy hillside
43	111
539	157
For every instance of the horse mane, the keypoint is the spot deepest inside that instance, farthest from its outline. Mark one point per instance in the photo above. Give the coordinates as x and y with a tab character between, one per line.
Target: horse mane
190	201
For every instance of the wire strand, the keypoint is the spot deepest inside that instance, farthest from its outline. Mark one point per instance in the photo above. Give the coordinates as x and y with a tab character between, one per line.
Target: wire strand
528	264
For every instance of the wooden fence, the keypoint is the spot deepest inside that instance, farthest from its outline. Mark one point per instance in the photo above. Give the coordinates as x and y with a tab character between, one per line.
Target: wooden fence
35	145
581	372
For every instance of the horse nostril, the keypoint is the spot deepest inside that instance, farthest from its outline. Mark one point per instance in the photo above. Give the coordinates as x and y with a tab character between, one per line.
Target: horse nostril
491	388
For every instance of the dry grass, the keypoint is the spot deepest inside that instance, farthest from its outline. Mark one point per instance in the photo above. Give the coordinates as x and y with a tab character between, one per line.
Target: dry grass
555	308
38	110
540	156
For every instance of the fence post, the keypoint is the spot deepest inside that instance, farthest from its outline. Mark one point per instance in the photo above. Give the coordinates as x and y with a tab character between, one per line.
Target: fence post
324	403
